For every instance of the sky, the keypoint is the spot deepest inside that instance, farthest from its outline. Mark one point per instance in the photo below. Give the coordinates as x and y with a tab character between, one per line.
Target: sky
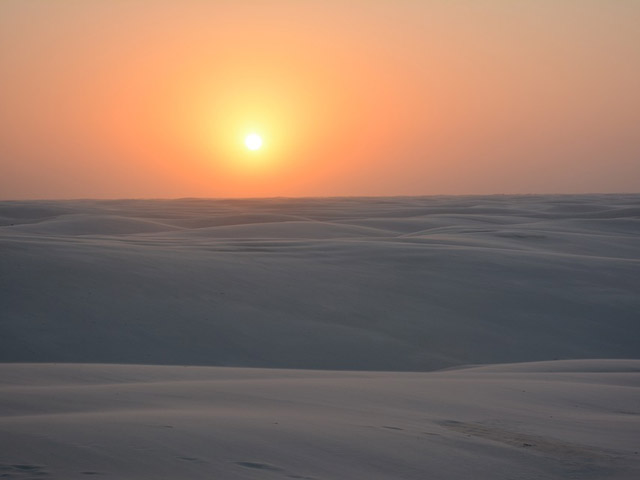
153	99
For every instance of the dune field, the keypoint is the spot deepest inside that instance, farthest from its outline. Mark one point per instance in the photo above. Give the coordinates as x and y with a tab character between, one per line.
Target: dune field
344	283
479	337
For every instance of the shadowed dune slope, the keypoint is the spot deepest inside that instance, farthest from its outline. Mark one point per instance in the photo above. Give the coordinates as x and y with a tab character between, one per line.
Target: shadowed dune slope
407	283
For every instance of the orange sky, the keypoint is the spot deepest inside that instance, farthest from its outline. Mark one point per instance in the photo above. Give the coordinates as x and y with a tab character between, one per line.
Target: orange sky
133	98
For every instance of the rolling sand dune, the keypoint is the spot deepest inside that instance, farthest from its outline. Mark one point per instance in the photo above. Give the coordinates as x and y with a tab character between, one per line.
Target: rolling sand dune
88	224
335	285
551	420
341	283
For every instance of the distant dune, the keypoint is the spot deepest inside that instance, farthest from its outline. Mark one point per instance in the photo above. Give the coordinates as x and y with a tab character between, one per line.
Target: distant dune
407	283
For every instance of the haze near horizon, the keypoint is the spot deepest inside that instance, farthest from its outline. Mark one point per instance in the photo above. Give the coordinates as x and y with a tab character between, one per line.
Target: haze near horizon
158	99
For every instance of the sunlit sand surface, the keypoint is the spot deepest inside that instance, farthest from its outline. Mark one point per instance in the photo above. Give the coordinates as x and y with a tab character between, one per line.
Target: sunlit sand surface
551	420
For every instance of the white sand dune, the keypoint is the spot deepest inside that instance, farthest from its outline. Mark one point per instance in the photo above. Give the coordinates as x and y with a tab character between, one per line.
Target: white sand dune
286	229
407	283
92	224
549	420
336	285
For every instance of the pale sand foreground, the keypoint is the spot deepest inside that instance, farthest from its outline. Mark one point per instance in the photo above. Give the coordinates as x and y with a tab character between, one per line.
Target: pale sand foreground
338	283
548	420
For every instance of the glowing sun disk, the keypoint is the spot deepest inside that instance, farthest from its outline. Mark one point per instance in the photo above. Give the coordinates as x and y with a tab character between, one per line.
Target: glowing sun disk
253	141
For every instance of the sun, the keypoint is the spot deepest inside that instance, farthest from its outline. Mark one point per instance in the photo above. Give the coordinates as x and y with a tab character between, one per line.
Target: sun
253	141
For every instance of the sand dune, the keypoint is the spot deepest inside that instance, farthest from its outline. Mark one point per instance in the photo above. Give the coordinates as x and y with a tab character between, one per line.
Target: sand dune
340	283
286	229
345	286
552	420
92	224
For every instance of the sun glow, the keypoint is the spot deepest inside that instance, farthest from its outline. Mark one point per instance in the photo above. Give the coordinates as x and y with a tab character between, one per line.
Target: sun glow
253	141
254	134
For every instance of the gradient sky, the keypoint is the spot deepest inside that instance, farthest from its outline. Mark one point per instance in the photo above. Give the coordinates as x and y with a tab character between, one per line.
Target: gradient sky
133	98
